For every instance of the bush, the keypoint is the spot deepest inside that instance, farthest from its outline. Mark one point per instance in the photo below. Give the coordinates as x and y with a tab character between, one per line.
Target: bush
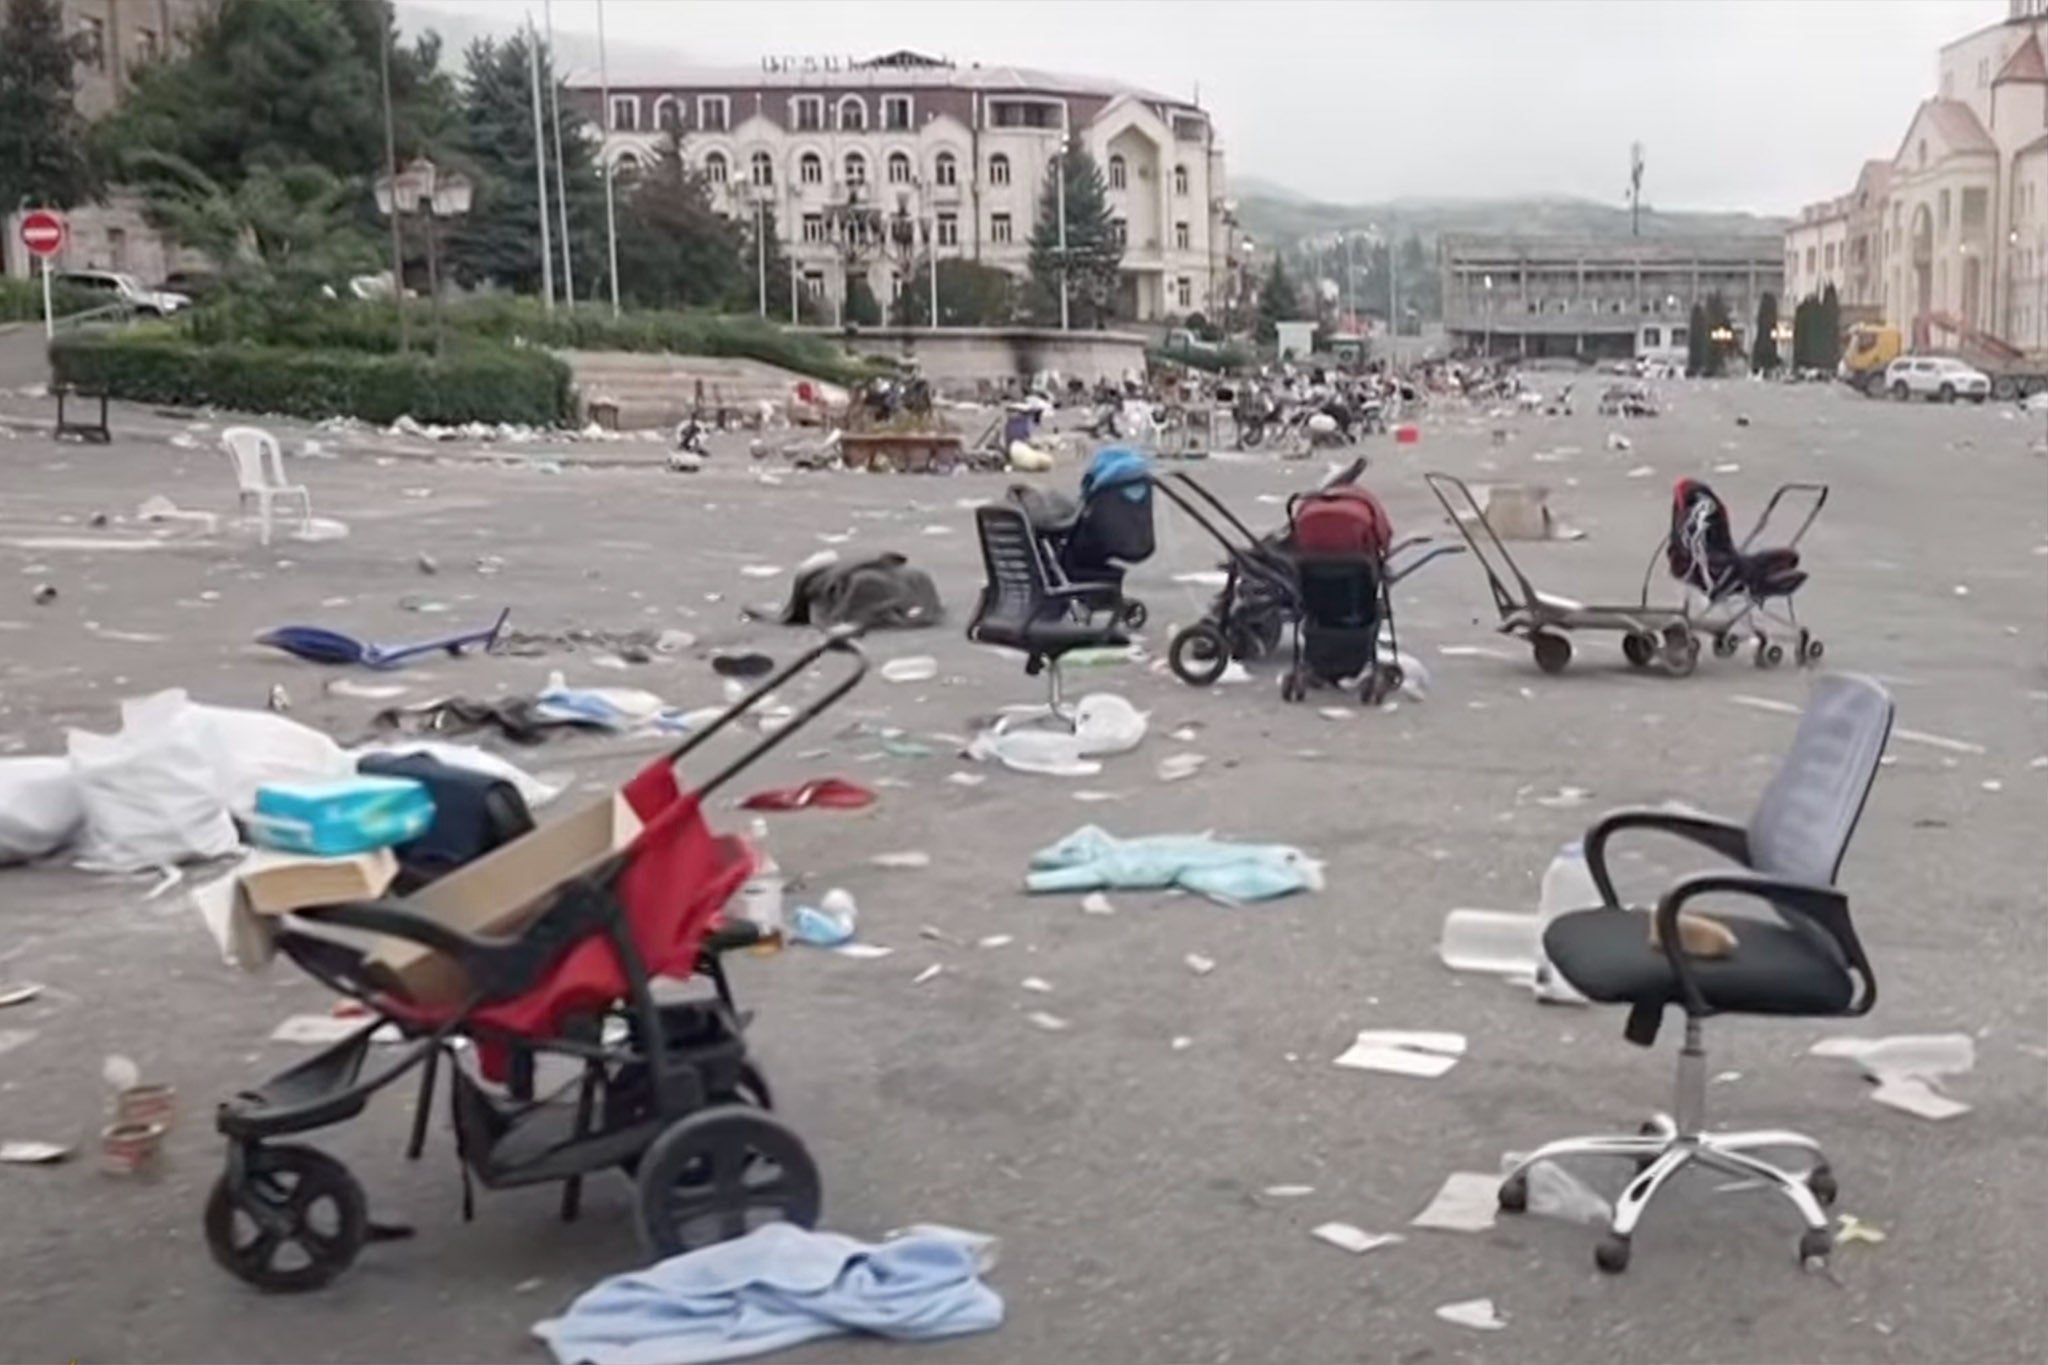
22	300
1213	359
474	383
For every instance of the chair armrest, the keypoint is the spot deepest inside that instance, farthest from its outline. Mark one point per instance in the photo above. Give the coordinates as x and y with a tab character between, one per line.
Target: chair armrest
1823	907
1724	837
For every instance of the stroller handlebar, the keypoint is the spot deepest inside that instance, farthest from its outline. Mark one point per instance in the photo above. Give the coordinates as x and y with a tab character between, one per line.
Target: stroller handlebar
843	640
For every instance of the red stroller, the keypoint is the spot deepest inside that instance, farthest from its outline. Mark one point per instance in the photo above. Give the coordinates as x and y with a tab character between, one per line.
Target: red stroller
662	1090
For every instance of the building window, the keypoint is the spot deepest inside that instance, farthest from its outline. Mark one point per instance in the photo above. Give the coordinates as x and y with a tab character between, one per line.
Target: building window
117	248
1828	256
713	113
1119	175
1809	260
1181	237
946	170
853	114
856	169
146	49
814	227
1120	233
1180	181
896	112
810	169
814	284
715	168
999	169
762	169
1944	212
668	114
949	229
899	169
808	111
625	113
1183	292
999	228
92	42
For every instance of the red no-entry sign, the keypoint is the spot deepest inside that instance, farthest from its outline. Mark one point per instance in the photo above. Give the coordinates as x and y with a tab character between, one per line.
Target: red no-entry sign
42	232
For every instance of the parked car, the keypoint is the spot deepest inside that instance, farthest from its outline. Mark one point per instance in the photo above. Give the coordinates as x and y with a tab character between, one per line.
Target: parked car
193	284
1935	378
117	287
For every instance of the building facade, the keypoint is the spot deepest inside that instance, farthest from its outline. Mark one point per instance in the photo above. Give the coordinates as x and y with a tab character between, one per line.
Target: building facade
934	151
1559	297
1960	238
1841	243
115	39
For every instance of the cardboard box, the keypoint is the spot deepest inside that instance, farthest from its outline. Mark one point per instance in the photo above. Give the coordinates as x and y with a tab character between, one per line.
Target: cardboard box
500	892
240	908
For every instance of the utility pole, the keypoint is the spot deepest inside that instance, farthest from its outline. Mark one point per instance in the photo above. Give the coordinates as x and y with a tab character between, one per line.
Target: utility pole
561	186
1350	302
761	253
1060	191
1393	283
390	171
1635	189
611	219
540	173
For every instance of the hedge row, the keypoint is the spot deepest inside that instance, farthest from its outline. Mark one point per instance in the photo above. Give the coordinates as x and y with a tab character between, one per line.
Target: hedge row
22	300
475	383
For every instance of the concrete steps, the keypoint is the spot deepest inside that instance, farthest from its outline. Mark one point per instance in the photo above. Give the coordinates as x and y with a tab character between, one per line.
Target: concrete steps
659	390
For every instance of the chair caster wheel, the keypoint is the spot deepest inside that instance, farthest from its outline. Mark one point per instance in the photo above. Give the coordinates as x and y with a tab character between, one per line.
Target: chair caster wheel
1821	1181
1814	1246
1725	644
1768	654
1514	1194
1611	1255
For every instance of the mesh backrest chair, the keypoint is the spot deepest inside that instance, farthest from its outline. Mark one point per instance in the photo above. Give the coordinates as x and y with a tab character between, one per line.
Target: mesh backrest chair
1021	608
1806	962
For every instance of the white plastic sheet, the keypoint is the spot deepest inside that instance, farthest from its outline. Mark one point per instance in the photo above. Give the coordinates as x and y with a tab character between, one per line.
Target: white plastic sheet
151	794
40	811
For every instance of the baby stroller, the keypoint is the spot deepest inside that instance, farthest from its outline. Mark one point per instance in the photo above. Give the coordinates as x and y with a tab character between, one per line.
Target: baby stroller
1339	538
1739	583
662	1089
1092	543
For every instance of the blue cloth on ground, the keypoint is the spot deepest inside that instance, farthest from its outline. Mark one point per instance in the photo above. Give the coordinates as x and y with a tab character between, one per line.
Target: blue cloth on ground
778	1286
1092	859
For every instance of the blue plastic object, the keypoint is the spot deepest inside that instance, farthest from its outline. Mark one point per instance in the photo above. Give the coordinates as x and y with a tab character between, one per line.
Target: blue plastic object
319	645
1121	468
347	815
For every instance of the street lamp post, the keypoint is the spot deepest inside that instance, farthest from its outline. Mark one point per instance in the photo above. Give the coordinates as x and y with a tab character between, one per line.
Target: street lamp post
1488	280
424	189
1060	199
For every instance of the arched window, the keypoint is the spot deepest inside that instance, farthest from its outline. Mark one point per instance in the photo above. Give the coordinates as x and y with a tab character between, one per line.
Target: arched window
1118	175
627	165
762	168
716	170
668	115
999	169
856	169
810	169
899	169
946	169
853	114
1180	180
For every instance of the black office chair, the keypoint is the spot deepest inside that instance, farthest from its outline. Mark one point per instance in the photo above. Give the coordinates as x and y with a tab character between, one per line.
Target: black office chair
1791	849
1021	609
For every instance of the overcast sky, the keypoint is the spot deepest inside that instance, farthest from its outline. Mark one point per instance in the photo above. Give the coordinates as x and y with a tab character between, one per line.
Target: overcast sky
1740	104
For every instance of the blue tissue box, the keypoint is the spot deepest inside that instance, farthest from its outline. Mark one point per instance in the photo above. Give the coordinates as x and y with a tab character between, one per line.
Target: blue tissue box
345	816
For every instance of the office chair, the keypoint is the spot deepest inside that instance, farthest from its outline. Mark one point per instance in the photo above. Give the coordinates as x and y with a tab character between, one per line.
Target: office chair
1021	609
1790	851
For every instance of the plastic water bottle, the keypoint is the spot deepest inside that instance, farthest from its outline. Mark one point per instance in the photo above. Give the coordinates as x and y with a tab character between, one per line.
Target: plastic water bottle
1567	886
760	901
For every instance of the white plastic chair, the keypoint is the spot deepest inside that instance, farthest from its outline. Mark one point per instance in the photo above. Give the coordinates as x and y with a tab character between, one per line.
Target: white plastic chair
259	474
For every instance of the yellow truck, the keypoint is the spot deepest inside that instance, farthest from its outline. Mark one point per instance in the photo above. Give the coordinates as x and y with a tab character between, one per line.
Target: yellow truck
1873	346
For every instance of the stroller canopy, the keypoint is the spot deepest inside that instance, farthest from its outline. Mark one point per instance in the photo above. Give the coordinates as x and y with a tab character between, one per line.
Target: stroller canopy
1120	468
1344	520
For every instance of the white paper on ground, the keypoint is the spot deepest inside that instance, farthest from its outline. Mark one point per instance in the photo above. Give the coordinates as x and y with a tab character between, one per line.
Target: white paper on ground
909	858
1917	1097
1288	1191
1404	1052
927	974
1478	1314
1095	903
319	1030
863	951
1357	1241
911	668
1468	1202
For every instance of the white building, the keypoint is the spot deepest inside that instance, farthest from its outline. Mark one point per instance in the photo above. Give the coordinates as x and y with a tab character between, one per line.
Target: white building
956	152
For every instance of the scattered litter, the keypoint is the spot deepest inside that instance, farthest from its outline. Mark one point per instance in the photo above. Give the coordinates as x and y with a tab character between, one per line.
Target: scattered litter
1468	1202
1050	753
749	665
914	668
1728	467
1095	797
1917	1097
1095	903
1854	1229
1783	708
1051	1023
862	951
1908	1054
1092	859
927	974
967	779
1954	746
44	594
1182	1043
1555	1192
1185	735
1335	712
23	1153
1174	767
1478	1314
1473	652
897	747
349	687
1495	942
825	793
908	859
1962	590
994	941
1992	784
830	923
760	570
1617	441
1288	1191
321	1030
428	564
1565	798
1036	984
19	995
1233	673
1641	471
1354	1240
1199	965
1403	1052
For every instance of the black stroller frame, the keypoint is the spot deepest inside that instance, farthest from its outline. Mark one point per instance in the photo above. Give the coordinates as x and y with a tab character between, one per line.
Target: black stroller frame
663	1090
1727	632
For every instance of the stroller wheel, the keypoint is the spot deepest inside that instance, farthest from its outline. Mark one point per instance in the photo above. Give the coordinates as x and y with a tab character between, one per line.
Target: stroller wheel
1133	614
1809	649
1198	654
1769	655
1292	688
721	1173
1725	644
1380	684
296	1221
1553	651
1639	649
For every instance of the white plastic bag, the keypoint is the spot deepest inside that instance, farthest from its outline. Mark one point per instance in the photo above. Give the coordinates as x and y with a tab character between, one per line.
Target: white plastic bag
251	748
39	808
1105	723
151	794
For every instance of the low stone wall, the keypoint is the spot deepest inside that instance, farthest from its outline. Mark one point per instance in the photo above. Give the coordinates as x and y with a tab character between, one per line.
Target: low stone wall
963	358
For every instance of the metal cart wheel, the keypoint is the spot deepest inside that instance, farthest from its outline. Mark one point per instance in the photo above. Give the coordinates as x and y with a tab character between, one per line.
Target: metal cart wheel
1198	654
1681	651
1725	644
1553	651
721	1173
1639	649
296	1221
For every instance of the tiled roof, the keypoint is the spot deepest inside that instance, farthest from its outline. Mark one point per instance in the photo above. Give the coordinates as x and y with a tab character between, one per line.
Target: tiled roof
2025	64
